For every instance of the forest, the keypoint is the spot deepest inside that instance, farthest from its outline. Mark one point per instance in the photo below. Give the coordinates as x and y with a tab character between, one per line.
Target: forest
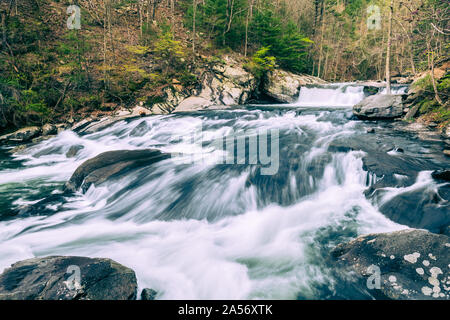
127	51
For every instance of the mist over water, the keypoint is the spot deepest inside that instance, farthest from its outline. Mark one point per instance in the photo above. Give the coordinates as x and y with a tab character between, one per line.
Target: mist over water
203	230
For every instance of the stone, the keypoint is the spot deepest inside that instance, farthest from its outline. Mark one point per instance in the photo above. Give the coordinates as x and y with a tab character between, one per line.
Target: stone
68	278
379	106
400	257
108	164
193	104
140	111
73	151
148	294
443	175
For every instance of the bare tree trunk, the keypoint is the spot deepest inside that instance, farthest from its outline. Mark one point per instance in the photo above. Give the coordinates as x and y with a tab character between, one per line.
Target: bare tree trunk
194	15
388	51
249	14
431	66
321	41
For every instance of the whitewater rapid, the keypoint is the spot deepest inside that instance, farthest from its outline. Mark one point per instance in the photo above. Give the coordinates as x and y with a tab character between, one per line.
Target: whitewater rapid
201	230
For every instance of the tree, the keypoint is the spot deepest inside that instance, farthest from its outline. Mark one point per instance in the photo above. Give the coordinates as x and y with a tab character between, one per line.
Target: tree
388	49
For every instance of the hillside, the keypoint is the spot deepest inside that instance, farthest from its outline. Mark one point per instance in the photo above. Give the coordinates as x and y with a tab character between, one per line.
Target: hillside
128	52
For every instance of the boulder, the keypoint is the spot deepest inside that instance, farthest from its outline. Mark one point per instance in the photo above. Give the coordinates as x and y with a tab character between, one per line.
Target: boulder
412	264
73	150
68	278
21	135
379	106
109	164
443	175
446	132
95	126
422	208
223	85
284	86
170	98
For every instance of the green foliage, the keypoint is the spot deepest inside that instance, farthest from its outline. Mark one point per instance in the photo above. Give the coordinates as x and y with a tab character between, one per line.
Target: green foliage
268	27
261	63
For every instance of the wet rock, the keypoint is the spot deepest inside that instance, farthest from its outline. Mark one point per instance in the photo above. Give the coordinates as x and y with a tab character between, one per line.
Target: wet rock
422	208
47	151
45	207
109	164
82	124
48	129
380	106
105	122
446	132
140	130
413	264
41	138
370	130
56	278
285	86
22	135
73	150
441	175
139	111
148	294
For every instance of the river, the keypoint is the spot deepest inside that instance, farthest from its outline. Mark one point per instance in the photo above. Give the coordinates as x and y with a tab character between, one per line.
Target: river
206	230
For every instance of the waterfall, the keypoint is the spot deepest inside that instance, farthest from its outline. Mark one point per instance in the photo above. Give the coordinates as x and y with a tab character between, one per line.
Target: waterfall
204	230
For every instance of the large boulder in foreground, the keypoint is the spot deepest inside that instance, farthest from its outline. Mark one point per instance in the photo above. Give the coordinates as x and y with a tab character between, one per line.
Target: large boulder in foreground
109	164
413	264
379	106
284	86
68	278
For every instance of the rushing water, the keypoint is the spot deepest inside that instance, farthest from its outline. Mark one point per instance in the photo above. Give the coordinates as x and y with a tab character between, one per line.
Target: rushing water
202	229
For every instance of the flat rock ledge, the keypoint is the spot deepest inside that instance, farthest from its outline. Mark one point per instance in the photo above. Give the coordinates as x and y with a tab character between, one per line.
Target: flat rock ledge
412	264
68	278
379	106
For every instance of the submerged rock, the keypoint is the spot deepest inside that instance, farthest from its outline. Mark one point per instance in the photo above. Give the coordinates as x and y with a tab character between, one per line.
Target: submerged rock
285	86
68	278
111	163
222	85
380	106
412	264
